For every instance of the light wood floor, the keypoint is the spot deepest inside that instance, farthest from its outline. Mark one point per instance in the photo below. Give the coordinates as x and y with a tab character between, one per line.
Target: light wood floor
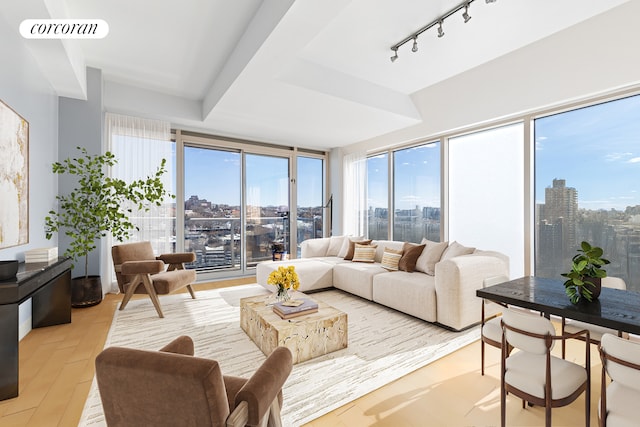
57	367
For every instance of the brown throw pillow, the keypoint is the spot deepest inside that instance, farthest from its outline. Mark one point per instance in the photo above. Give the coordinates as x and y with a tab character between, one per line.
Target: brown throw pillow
352	247
410	254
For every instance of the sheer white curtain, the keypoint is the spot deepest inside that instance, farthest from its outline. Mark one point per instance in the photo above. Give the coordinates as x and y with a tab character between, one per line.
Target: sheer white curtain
139	145
355	195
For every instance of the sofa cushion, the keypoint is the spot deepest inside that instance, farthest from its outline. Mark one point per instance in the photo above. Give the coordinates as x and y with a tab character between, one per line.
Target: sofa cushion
356	277
391	259
364	253
410	293
314	247
410	254
431	254
335	244
351	246
312	273
456	249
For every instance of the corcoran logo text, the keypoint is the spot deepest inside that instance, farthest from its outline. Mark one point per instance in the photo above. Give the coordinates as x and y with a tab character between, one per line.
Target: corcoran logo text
64	28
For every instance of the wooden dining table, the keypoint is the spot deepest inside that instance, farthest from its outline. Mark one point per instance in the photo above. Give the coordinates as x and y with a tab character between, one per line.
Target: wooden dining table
616	309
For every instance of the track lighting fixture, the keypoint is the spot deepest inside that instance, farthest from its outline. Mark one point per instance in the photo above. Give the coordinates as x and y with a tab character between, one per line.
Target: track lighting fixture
466	15
440	30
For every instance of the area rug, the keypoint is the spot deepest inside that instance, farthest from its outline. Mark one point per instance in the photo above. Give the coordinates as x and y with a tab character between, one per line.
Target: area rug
384	345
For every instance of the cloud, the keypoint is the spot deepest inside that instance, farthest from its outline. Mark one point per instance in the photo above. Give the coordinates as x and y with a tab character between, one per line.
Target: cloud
613	157
634	160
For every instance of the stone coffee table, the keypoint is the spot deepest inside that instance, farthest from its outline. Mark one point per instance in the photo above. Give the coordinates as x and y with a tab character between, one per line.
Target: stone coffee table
307	336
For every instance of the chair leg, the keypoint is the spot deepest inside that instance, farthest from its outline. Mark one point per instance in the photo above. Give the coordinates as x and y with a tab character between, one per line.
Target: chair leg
275	419
148	285
133	285
482	356
547	416
190	289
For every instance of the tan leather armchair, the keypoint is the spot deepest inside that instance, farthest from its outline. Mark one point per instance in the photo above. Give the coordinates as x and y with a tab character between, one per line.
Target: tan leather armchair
135	265
170	387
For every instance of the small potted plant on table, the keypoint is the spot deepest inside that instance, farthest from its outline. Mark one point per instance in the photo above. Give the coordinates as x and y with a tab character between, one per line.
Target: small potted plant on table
584	279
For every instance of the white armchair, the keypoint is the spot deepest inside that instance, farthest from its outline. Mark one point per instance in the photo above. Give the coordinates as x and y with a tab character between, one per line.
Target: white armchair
621	360
532	373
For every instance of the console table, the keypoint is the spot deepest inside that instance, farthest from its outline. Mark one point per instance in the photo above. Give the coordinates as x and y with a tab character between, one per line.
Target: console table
49	287
615	309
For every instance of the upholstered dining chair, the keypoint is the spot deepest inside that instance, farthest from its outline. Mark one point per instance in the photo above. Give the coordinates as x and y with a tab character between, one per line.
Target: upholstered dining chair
172	388
135	264
532	373
490	322
595	332
621	360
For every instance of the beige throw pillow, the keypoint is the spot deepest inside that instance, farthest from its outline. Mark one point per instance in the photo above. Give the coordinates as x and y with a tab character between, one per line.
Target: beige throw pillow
352	247
410	254
456	249
390	259
364	253
430	256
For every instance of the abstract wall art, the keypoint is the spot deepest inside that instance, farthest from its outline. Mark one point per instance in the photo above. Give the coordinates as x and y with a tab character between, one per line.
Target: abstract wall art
14	178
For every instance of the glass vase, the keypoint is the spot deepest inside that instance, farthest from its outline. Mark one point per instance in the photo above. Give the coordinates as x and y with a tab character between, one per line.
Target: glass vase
282	294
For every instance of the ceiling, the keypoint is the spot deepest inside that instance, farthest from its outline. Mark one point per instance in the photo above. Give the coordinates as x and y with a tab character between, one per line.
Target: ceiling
311	73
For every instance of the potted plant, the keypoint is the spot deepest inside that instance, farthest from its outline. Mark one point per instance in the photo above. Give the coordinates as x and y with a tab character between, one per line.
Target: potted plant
584	279
98	205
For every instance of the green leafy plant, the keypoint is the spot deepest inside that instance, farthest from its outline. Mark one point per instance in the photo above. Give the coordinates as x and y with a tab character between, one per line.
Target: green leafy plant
98	205
586	265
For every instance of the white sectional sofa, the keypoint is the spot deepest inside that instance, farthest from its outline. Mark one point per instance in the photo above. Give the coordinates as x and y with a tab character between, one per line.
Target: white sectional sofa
441	290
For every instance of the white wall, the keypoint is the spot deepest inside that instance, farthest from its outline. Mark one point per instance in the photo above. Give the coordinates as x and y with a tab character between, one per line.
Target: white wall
594	57
24	88
81	126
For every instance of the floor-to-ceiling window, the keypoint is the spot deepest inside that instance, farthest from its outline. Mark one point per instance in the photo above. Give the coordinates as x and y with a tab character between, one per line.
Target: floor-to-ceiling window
486	192
416	193
212	207
266	206
310	194
237	203
587	187
378	196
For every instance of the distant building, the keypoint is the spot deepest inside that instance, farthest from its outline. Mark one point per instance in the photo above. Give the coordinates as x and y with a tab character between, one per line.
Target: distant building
560	210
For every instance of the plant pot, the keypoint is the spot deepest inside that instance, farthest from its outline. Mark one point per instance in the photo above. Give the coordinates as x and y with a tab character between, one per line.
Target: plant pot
86	291
596	288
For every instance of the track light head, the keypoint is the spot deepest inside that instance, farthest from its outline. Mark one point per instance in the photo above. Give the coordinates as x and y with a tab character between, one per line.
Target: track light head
440	30
490	1
415	45
395	55
466	15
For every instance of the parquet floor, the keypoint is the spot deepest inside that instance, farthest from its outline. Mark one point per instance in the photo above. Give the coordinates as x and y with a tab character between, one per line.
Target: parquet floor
56	370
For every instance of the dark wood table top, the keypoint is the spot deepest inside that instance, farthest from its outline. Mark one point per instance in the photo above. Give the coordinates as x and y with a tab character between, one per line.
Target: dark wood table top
615	308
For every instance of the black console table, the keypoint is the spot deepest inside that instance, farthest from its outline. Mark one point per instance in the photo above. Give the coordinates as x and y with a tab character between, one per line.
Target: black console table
49	287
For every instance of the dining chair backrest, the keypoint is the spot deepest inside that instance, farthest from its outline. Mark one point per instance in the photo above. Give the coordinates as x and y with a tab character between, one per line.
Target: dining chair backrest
614	282
531	323
626	350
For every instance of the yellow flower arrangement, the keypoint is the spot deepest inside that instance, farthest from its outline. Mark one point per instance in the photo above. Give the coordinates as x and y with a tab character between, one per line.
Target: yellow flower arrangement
284	278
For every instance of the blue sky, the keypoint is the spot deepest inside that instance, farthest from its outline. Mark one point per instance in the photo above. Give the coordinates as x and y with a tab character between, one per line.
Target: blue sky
596	150
215	175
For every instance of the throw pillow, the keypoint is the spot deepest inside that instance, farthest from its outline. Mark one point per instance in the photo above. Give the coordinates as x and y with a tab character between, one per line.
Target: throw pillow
390	259
335	243
430	256
410	254
456	249
352	247
364	253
